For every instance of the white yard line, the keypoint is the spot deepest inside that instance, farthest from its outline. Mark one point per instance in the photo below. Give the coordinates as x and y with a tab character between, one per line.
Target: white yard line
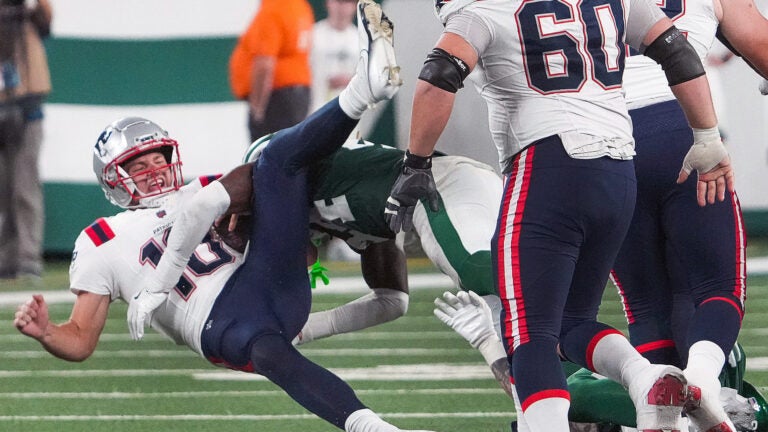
338	285
249	417
235	393
319	352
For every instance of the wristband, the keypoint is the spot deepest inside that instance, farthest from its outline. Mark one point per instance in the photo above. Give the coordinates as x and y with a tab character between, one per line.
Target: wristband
419	162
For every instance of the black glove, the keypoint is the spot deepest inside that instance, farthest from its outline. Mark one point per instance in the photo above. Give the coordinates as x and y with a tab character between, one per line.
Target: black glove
413	183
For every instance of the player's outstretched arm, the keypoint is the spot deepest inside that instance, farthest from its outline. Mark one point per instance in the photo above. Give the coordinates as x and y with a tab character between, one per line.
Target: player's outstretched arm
74	340
384	270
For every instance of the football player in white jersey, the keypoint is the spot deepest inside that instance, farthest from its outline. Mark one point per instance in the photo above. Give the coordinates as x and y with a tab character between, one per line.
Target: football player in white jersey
238	311
551	75
681	271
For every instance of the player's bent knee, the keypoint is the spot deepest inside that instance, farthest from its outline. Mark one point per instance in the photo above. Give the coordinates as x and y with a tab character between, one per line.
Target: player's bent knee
270	353
476	273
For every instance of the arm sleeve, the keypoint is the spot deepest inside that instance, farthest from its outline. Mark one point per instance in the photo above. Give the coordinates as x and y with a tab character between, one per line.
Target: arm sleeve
472	28
643	14
195	219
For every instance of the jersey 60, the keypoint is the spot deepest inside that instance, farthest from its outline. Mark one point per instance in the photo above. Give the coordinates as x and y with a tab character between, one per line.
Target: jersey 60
565	45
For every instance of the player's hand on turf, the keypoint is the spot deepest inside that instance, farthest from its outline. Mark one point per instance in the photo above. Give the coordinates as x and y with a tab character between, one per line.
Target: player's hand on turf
414	182
141	308
467	314
32	317
709	158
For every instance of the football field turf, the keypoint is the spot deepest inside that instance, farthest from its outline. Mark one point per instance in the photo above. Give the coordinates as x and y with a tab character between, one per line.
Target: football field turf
414	371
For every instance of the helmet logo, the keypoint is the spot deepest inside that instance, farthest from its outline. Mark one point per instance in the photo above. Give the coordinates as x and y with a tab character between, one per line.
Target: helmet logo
103	138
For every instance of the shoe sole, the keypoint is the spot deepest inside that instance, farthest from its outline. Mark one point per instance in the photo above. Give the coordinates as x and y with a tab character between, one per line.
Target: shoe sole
377	24
668	394
693	404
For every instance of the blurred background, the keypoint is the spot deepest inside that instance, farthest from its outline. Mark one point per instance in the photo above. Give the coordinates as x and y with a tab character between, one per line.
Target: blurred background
168	61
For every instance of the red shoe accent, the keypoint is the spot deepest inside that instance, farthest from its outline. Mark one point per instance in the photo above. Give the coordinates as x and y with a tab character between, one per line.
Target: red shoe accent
722	427
668	390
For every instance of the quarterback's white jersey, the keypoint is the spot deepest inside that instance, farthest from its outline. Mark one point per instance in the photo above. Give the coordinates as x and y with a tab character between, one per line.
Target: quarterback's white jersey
555	68
644	81
115	254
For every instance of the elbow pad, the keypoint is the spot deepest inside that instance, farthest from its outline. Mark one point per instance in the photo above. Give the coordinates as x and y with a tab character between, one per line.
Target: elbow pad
676	56
444	71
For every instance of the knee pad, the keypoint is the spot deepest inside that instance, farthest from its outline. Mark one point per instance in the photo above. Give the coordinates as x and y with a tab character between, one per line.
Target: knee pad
390	304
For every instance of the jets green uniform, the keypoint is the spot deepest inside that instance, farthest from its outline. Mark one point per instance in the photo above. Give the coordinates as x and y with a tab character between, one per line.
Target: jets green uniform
351	187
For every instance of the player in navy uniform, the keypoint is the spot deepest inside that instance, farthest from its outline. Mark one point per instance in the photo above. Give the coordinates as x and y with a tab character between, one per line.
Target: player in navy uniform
551	75
348	203
682	269
237	311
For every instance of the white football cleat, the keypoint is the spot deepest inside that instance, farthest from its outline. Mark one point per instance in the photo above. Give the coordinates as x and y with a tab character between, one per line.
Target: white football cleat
704	408
378	74
659	394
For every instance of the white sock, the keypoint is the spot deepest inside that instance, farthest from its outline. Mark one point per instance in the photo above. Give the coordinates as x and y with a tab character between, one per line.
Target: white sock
351	101
365	420
522	425
705	360
548	415
615	358
380	306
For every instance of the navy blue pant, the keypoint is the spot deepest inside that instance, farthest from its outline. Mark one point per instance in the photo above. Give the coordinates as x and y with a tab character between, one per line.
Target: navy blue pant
677	253
267	300
560	226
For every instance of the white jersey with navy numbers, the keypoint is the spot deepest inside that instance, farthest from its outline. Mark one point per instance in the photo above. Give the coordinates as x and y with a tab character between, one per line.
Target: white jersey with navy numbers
554	68
644	81
115	254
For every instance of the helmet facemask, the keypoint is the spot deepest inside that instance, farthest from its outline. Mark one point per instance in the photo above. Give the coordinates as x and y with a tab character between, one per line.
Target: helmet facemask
160	180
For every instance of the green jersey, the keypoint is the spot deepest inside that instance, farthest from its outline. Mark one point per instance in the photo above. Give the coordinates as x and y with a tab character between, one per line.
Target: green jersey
349	190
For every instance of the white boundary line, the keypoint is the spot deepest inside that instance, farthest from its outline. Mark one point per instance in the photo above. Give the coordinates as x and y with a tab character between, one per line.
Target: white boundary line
338	285
251	417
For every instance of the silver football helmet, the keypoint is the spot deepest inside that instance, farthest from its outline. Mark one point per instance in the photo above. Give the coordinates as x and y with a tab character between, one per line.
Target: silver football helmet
124	140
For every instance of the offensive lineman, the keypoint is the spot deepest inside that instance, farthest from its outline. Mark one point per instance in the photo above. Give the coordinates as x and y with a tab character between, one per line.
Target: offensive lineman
681	270
551	74
237	311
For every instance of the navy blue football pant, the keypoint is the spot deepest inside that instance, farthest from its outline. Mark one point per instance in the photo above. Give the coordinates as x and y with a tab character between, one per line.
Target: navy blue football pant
681	270
561	223
266	302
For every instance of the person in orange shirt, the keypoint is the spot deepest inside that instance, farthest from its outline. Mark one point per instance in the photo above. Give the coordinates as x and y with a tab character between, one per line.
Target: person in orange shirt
270	67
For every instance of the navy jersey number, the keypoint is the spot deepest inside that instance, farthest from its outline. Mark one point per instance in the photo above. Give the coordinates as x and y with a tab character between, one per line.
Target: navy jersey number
555	59
152	251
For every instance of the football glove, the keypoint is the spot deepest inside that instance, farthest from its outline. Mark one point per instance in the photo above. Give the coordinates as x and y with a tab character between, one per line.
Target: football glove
468	315
413	183
317	271
141	308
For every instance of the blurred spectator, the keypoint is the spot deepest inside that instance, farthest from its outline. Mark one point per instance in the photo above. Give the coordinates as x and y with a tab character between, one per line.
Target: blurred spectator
24	84
269	66
334	51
